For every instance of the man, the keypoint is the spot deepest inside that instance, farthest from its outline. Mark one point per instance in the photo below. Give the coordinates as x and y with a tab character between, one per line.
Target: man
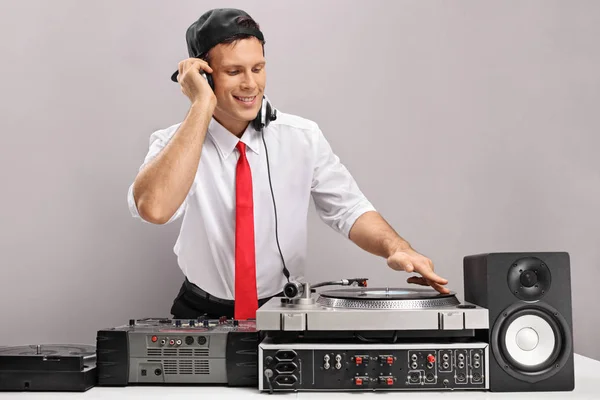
243	188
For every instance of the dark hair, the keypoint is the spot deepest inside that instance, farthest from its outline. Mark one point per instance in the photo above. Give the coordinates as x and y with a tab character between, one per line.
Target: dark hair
245	22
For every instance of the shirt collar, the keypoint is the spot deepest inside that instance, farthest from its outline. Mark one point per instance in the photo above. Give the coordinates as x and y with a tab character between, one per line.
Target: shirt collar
226	141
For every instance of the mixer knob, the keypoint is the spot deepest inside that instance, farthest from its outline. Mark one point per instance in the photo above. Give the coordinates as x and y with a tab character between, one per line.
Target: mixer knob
178	323
236	322
131	322
192	322
205	323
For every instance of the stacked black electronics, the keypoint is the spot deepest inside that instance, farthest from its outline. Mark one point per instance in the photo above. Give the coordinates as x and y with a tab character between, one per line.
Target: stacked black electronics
513	333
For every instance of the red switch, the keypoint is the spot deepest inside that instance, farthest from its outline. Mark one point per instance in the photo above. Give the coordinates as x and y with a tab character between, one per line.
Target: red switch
431	358
390	381
358	360
154	338
390	360
358	381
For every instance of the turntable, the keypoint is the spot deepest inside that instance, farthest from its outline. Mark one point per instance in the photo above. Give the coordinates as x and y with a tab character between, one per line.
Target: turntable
48	367
360	338
369	309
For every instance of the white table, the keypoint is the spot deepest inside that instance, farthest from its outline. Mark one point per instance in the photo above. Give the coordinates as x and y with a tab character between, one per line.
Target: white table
587	380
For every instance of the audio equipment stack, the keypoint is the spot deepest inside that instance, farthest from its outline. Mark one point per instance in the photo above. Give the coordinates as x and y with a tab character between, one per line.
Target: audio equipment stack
511	332
371	339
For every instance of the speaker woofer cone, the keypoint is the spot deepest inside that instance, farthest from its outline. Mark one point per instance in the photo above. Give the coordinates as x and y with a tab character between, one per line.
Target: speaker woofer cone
514	342
546	350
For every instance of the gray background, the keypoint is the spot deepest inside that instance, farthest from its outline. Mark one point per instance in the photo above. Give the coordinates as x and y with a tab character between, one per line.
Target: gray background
470	126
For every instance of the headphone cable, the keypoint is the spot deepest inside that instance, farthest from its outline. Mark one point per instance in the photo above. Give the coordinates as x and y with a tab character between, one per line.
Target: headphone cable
285	270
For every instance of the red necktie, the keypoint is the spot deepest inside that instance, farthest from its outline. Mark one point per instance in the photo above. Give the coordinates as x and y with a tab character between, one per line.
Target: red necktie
246	298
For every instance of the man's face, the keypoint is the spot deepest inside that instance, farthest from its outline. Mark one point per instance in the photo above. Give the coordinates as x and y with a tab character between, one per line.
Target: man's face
239	78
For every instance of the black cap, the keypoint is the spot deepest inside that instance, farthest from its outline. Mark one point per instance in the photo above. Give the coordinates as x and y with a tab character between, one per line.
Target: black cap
212	28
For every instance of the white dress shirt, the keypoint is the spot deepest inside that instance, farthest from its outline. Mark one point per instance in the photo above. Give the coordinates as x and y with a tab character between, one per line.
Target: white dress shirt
302	165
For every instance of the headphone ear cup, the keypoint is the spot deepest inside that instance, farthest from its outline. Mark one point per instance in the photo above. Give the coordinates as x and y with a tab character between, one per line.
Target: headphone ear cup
265	115
210	81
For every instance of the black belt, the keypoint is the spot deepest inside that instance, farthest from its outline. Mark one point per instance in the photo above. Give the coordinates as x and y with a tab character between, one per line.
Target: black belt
195	290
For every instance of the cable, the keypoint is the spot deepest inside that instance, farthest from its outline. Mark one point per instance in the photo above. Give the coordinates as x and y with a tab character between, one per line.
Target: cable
285	270
269	375
363	339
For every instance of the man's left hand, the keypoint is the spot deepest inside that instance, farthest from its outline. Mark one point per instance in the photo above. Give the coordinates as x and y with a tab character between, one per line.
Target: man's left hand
410	261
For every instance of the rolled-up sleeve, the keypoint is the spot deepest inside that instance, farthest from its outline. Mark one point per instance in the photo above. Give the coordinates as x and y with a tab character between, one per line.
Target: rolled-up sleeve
158	141
338	200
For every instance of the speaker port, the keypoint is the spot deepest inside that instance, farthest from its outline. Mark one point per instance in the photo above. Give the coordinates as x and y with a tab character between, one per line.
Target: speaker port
461	357
476	356
338	366
285	355
359	359
476	364
387	380
338	358
445	357
360	380
446	365
414	365
414	357
461	365
286	368
326	365
326	358
429	365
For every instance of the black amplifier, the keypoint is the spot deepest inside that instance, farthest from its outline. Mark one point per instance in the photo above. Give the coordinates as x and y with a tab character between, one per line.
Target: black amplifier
165	351
372	366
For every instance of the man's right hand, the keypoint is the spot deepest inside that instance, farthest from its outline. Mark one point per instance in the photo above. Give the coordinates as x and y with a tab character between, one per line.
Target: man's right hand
194	85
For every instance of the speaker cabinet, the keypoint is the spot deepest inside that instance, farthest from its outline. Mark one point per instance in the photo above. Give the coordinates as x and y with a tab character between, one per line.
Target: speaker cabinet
528	296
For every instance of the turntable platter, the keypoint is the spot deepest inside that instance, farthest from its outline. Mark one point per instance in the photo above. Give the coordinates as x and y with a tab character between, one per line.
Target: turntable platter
386	298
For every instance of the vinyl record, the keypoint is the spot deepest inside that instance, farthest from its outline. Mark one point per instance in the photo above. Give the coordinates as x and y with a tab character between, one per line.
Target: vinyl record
385	294
386	298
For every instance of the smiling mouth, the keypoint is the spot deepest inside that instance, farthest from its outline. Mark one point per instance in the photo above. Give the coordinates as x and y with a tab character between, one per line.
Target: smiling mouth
245	99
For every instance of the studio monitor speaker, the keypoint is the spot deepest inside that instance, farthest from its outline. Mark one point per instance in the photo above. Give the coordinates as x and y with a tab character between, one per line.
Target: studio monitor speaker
528	297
